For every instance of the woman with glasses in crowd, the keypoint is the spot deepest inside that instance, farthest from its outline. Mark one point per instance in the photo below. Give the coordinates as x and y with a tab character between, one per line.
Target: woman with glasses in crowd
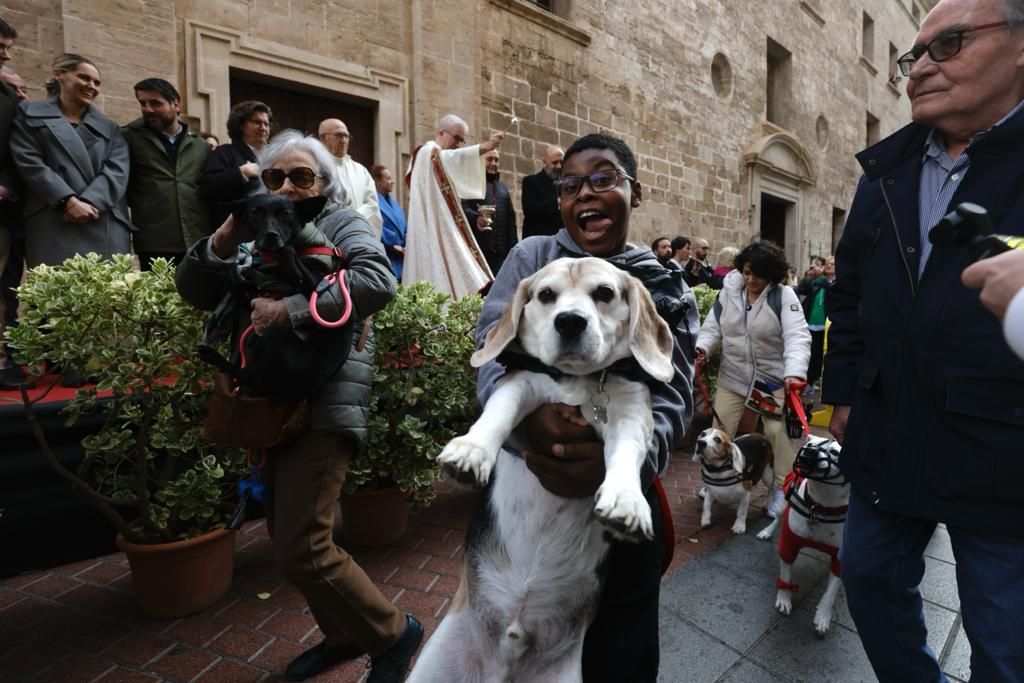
304	475
231	171
74	162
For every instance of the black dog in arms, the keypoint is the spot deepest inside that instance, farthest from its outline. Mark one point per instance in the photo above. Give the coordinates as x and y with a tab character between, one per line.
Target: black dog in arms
287	256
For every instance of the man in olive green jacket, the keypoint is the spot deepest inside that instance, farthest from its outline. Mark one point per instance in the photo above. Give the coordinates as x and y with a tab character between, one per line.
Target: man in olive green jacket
167	158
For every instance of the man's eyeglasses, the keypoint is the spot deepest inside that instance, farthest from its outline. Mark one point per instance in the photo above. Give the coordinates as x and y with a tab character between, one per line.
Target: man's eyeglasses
945	46
302	177
340	136
260	123
568	186
458	138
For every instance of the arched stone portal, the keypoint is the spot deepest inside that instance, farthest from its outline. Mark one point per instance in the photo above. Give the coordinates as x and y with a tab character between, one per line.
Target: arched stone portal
211	52
779	169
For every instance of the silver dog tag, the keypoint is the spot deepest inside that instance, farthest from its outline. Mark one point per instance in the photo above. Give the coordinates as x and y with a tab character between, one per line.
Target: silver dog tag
599	401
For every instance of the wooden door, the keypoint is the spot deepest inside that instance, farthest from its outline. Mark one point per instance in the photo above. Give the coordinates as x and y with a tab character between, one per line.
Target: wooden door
303	107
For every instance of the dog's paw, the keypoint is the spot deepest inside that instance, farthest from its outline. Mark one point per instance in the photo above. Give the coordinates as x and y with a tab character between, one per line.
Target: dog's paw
822	621
765	534
739	526
784	602
624	511
466	462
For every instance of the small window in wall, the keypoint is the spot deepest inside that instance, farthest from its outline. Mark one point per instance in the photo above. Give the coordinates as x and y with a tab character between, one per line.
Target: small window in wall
838	223
867	44
894	69
872	130
778	96
557	7
544	4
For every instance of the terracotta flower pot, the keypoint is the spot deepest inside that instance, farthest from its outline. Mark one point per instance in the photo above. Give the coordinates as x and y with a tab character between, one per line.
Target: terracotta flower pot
372	517
176	579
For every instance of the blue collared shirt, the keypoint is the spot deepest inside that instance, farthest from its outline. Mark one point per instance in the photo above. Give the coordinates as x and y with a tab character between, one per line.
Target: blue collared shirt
940	178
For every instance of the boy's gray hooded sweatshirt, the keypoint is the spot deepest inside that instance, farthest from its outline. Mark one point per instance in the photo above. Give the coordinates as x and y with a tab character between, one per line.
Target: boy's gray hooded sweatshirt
672	402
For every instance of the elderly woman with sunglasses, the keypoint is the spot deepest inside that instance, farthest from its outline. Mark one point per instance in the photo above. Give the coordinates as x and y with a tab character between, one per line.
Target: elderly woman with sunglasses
304	476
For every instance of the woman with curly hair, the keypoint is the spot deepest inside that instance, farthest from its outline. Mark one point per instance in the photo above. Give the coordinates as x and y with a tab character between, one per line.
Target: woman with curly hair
759	324
231	170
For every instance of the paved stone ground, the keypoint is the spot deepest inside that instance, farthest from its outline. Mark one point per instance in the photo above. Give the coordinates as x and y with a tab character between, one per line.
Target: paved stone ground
79	623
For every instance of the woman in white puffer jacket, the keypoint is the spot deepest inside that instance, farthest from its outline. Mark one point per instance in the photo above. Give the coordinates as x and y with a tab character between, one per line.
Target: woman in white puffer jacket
759	324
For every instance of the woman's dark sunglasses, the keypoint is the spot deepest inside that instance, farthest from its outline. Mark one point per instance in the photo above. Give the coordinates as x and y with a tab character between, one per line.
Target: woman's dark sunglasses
302	177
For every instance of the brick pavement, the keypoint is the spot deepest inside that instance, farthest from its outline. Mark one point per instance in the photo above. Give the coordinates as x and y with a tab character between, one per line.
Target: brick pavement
78	622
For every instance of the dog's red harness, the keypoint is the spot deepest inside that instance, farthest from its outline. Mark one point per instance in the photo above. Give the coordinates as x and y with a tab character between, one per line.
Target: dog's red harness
790	544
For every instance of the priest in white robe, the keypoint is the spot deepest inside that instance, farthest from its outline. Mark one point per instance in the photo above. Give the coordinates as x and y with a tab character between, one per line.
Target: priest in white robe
353	176
440	247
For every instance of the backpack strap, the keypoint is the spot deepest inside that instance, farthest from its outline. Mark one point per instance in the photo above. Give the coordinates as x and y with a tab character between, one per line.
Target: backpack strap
775	301
717	308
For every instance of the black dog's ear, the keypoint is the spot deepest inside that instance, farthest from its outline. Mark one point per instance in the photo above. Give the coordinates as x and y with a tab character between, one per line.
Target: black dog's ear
308	209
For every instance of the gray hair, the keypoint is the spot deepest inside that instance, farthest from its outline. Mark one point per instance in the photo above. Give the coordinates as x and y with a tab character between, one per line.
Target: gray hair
1014	10
449	120
290	141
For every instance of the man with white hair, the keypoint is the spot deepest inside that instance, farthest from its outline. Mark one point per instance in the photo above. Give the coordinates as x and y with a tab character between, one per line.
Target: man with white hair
440	247
353	176
926	392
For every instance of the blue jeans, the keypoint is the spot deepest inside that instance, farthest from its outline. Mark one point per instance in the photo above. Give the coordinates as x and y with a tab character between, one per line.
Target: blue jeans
883	562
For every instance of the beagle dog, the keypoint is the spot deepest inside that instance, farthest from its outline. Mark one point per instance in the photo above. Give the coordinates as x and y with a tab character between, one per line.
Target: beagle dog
817	495
730	468
533	564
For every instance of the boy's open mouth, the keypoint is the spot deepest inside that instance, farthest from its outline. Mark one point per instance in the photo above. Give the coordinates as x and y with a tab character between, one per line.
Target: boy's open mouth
592	222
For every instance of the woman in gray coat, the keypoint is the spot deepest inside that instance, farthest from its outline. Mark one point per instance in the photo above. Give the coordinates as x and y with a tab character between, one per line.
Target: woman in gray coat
75	166
304	475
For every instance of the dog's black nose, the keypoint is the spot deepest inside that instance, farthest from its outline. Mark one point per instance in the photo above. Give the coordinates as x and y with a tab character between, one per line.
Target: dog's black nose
701	444
570	325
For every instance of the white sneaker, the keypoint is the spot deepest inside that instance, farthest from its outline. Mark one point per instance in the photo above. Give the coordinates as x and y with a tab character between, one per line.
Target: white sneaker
777	504
703	491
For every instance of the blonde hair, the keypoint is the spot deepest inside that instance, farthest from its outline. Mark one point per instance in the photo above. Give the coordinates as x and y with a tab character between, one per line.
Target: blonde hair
726	256
63	63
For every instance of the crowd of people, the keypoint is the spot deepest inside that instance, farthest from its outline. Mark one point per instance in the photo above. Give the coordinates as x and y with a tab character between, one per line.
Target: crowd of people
908	340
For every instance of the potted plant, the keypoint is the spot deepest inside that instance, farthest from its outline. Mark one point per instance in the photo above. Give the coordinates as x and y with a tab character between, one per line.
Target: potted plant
424	394
147	470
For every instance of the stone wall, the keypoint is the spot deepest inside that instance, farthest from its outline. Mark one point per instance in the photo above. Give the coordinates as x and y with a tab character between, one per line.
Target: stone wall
640	70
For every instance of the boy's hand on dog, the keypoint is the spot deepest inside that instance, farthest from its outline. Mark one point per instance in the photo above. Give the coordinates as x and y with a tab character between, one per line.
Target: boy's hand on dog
564	452
267	313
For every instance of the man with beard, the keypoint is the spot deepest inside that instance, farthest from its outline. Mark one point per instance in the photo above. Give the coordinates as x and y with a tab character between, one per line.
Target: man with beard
167	158
496	234
540	202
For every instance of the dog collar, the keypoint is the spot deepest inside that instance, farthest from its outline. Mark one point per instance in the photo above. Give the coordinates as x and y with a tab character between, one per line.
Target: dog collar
627	368
808	508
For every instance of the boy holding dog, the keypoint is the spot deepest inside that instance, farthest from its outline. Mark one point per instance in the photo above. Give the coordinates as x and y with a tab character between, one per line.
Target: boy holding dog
598	191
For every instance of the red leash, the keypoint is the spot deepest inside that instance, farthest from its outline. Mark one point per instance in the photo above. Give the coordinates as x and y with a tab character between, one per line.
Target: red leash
705	392
668	527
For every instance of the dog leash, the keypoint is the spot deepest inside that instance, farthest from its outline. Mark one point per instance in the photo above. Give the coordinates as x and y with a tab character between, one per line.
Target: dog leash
338	277
706	392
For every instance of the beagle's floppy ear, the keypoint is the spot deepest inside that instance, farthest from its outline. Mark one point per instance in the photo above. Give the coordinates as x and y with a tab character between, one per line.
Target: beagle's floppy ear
506	329
738	461
650	340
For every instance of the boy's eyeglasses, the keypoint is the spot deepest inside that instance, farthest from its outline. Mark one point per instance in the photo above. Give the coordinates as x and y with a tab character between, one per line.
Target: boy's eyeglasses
943	47
302	177
568	186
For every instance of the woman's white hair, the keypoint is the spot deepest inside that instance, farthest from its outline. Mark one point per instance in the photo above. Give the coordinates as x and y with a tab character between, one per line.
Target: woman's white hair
449	120
290	141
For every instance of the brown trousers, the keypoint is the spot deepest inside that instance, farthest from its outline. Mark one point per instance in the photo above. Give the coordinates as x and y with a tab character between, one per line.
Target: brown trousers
304	478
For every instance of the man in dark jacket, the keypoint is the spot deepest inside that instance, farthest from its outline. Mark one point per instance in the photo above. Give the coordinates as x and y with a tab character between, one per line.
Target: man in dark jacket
496	235
927	393
540	203
167	159
11	375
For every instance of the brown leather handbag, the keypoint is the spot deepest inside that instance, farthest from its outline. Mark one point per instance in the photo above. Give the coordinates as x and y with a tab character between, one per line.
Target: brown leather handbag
243	421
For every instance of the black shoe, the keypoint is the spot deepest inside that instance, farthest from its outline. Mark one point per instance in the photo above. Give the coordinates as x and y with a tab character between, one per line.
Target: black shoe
391	666
13	377
318	658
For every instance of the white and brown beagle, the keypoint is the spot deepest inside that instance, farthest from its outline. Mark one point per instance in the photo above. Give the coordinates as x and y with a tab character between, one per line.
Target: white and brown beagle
730	468
532	577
